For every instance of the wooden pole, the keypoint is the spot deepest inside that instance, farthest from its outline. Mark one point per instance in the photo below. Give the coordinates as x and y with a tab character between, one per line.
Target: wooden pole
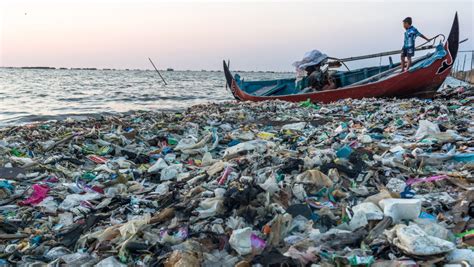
157	71
389	53
472	59
394	52
463	67
471	72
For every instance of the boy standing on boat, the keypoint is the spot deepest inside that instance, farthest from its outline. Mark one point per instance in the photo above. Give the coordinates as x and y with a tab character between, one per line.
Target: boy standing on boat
408	50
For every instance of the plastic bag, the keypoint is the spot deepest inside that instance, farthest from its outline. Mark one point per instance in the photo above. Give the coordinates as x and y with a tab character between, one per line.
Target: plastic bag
426	128
414	241
244	241
311	58
74	200
40	192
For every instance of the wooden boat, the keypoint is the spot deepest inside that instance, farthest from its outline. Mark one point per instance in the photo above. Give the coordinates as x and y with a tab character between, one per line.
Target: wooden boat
422	80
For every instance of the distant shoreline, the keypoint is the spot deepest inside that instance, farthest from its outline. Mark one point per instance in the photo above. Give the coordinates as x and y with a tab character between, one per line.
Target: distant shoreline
111	69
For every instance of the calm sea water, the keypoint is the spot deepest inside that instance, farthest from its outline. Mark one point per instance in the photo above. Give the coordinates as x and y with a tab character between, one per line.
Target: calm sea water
28	95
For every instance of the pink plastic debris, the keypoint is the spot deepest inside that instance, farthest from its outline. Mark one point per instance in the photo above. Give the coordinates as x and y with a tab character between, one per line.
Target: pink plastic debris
224	176
97	159
413	181
257	243
40	191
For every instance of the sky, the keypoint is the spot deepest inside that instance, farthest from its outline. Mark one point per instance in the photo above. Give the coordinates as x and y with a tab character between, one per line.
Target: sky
195	35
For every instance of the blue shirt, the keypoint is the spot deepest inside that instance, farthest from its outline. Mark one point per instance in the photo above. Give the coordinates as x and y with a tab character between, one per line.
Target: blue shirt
410	36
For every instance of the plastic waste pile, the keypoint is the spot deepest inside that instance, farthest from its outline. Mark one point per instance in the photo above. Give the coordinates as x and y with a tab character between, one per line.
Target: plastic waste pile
357	182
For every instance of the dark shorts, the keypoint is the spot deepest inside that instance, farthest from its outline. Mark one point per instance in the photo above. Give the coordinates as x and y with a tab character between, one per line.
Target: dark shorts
408	52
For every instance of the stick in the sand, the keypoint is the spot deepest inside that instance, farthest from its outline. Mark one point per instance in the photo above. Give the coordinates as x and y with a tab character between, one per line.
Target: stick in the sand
157	71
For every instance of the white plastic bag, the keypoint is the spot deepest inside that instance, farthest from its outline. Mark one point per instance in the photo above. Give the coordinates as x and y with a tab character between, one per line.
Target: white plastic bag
311	58
240	241
74	200
426	128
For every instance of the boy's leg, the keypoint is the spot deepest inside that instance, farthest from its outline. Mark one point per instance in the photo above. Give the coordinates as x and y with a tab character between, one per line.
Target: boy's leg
402	58
408	63
410	52
402	62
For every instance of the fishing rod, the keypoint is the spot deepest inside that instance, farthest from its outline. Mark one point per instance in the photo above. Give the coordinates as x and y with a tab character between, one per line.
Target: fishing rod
157	71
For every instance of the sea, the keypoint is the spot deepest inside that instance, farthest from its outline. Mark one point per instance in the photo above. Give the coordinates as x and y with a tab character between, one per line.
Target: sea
32	95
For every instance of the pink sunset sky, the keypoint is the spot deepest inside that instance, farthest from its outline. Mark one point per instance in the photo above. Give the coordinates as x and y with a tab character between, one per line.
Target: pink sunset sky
255	35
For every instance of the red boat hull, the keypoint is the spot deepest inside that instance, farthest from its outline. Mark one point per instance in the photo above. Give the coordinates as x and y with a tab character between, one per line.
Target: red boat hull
421	83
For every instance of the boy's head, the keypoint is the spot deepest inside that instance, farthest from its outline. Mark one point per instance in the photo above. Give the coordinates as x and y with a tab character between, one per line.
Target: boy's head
407	22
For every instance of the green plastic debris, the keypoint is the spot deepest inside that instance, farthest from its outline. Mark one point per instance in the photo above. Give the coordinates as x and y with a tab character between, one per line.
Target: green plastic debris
345	218
453	107
89	149
280	177
172	141
105	150
15	152
323	137
309	104
361	260
463	234
399	122
88	176
353	184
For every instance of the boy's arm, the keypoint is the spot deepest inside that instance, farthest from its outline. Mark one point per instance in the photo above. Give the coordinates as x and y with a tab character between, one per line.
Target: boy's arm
424	37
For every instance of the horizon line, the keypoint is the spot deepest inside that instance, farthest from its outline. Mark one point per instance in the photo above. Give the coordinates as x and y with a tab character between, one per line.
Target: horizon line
132	69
